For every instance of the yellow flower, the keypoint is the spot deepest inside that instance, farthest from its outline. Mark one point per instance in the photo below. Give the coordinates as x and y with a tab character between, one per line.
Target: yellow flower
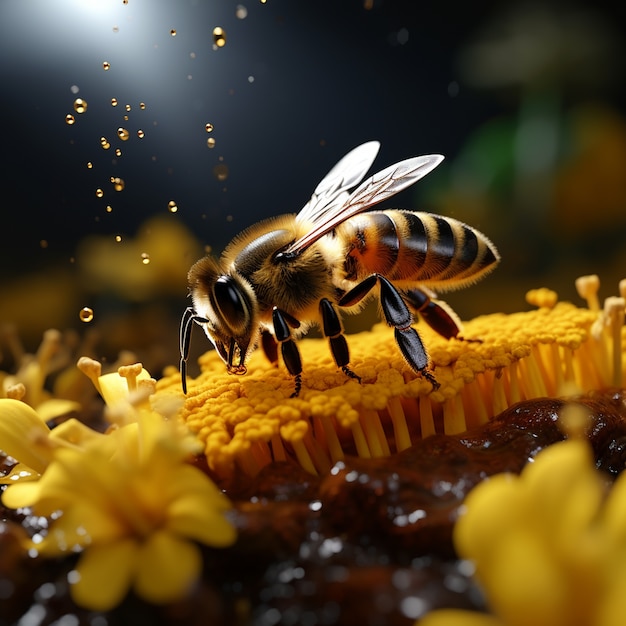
549	546
136	508
128	500
248	421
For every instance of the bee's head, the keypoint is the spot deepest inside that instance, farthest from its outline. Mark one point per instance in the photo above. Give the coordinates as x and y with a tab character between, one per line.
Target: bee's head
225	305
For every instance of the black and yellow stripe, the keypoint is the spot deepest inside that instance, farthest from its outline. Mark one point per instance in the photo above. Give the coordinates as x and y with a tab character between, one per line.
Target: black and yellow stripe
415	247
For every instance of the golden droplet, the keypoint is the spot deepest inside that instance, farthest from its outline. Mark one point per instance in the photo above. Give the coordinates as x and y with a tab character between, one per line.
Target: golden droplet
80	105
69	119
145	258
128	107
113	102
109	208
140	134
89	165
126	118
106	66
173	32
123	134
172	206
220	171
219	37
124	1
118	183
208	127
99	193
142	106
106	145
86	314
210	142
118	238
118	152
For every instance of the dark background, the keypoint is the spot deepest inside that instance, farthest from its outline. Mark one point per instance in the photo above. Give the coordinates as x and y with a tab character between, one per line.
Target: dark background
526	101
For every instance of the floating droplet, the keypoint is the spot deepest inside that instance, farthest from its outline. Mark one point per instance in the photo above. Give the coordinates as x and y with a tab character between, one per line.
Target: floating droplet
126	118
123	134
118	238
86	314
208	127
172	206
241	12
124	1
104	142
140	134
142	106
173	32
210	142
118	152
106	66
109	208
74	89
219	36
43	244
128	107
118	183
113	102
69	119
99	193
145	258
89	165
220	171
80	105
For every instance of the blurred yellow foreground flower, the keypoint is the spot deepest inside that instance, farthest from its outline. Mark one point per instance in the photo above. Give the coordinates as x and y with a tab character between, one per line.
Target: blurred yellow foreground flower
549	546
128	500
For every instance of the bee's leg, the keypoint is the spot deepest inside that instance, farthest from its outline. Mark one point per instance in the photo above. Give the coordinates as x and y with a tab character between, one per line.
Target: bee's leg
439	316
270	347
396	314
334	332
186	326
288	347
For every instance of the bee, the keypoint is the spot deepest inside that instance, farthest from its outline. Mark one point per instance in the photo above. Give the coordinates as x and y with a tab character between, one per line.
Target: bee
284	274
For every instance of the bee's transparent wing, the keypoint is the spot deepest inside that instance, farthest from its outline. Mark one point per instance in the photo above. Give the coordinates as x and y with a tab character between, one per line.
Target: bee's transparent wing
379	187
332	190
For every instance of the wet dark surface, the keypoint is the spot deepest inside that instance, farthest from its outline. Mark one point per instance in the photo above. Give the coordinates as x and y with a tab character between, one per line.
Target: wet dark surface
368	544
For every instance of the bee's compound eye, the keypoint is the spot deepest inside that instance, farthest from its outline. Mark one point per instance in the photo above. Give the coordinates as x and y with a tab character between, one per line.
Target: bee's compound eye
232	304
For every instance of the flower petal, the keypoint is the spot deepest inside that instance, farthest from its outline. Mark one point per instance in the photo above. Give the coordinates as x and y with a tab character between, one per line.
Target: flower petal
199	520
22	433
56	407
167	568
106	572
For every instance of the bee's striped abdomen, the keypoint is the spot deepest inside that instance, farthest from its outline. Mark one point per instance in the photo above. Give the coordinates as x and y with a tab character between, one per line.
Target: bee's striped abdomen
416	247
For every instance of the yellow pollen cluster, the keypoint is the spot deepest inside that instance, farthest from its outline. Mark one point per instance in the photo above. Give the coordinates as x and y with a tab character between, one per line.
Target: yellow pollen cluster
502	359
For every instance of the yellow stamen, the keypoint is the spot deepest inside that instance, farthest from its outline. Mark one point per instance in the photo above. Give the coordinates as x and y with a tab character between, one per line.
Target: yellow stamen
587	288
16	391
92	369
130	373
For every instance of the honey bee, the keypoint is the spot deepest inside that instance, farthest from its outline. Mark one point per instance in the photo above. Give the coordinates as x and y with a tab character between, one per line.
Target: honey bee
284	274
